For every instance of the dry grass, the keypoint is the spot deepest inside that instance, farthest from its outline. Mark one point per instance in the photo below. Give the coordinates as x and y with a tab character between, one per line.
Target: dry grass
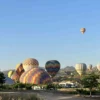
17	96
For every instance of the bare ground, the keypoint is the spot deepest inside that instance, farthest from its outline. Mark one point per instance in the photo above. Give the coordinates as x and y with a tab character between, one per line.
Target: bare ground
51	95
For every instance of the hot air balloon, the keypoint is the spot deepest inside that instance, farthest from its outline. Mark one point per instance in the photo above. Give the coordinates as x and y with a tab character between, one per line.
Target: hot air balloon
82	30
52	67
81	68
15	76
10	73
19	69
98	67
30	63
35	76
89	67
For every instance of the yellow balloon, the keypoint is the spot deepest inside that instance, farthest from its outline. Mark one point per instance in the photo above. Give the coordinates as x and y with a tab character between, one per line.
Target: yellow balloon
81	68
10	73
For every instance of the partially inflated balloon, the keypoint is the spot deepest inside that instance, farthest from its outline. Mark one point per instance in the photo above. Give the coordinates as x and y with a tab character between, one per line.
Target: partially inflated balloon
82	30
30	63
10	73
52	67
35	76
19	69
15	76
81	68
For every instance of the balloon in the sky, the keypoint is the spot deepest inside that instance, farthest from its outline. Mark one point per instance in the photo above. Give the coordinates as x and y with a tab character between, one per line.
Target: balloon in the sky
82	30
35	76
89	67
10	73
52	67
81	68
98	67
30	63
19	69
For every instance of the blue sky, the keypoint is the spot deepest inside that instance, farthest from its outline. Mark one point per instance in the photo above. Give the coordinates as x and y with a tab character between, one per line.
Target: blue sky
49	29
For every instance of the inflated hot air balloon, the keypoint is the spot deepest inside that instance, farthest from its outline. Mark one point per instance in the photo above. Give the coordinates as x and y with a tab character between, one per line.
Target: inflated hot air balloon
89	67
35	76
82	30
30	63
52	67
19	69
98	67
81	68
10	73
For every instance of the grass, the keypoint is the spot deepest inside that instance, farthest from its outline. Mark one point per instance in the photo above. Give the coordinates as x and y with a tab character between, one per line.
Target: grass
11	96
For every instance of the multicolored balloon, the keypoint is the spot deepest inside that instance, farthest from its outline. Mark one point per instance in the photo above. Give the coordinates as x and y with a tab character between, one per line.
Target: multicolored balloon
52	67
81	68
30	63
15	76
19	69
35	76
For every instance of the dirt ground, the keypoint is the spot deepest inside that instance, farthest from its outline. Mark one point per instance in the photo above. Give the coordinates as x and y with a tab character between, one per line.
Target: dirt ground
50	95
58	96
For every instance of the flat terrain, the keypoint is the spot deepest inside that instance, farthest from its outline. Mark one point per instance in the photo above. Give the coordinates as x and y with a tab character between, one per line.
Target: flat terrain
51	95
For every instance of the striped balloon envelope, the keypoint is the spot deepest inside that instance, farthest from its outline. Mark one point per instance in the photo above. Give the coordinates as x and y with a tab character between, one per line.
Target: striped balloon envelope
52	67
15	76
35	76
19	69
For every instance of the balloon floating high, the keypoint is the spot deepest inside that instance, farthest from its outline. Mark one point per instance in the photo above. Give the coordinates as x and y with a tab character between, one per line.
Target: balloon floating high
82	30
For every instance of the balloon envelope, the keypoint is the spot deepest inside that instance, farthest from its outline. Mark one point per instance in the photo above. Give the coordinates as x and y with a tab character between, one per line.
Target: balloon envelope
52	67
98	67
89	67
10	73
81	68
82	30
35	76
19	69
15	76
30	63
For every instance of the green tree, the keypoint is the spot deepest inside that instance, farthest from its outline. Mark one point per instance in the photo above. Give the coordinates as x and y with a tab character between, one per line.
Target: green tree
90	81
2	78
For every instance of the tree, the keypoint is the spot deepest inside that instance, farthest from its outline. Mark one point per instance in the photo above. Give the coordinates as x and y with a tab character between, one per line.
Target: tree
90	81
2	78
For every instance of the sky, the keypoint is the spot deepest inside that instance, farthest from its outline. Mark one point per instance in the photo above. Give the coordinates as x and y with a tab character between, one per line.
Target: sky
49	30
